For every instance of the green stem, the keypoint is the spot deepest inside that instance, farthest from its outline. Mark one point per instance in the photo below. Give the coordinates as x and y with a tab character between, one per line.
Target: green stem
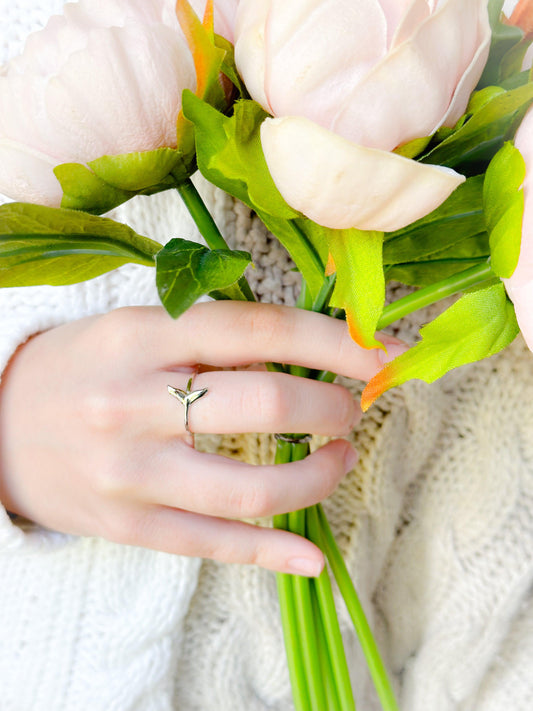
207	226
306	626
328	615
355	609
332	698
288	610
435	292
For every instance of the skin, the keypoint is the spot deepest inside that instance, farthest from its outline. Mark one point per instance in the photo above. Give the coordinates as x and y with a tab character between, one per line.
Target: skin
93	444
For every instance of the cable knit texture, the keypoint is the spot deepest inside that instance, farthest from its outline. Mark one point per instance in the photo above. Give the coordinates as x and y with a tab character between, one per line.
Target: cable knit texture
436	525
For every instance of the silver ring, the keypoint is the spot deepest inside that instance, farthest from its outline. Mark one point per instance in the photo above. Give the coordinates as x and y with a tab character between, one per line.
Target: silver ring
187	397
294	439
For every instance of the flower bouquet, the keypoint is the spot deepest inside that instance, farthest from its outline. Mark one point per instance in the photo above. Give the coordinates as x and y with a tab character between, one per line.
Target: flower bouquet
378	140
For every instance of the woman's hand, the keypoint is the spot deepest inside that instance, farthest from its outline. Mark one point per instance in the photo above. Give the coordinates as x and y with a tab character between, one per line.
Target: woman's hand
93	444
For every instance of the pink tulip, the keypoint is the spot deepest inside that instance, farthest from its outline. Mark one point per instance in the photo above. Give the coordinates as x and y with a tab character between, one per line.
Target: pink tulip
520	285
105	77
347	83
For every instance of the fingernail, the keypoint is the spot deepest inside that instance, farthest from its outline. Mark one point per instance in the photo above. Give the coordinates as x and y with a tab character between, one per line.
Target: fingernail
393	351
305	566
350	459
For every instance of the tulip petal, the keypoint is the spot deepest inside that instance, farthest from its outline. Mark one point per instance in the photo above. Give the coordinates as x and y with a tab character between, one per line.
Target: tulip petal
408	94
340	184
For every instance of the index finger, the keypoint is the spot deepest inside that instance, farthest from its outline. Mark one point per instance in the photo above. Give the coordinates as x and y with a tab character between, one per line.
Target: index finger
237	333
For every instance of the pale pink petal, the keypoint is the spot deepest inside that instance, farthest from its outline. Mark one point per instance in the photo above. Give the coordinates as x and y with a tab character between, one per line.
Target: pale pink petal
225	18
28	175
340	184
468	81
402	16
407	95
250	47
416	12
23	115
522	298
122	94
317	51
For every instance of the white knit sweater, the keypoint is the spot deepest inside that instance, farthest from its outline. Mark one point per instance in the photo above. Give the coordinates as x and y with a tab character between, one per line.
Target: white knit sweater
436	524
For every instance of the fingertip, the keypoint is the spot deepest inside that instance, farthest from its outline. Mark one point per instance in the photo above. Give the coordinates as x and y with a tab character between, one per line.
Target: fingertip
307	567
393	350
350	457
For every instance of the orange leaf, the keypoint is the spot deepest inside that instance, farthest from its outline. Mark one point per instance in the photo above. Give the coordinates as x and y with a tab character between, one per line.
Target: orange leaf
200	38
522	16
384	380
330	266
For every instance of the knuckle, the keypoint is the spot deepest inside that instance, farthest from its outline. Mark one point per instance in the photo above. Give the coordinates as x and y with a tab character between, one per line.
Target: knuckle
122	331
265	324
272	403
103	408
126	528
113	479
253	501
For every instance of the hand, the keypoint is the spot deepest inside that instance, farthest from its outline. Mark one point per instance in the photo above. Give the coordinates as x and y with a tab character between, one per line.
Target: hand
93	444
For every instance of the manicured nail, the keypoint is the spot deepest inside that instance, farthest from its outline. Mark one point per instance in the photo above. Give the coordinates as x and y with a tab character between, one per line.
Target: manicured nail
350	459
305	566
393	351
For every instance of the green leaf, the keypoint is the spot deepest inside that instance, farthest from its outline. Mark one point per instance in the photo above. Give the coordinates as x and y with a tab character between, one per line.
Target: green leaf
504	208
449	240
484	133
230	156
229	68
360	284
187	270
504	38
139	171
83	190
512	62
413	148
44	245
441	265
111	180
481	323
458	218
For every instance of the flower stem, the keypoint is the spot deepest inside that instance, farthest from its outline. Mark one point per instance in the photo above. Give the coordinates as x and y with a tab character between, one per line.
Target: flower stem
332	698
288	611
207	226
435	292
355	609
328	614
306	626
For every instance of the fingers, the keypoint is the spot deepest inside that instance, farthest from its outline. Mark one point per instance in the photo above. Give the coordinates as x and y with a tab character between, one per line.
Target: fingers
245	402
190	534
180	477
232	333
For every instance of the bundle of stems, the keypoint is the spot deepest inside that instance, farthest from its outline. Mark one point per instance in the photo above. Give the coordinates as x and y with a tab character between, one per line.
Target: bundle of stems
316	658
